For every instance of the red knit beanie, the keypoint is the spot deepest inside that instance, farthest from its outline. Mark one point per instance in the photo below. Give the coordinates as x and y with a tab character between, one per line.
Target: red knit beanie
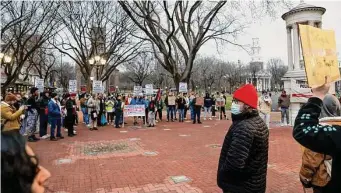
247	94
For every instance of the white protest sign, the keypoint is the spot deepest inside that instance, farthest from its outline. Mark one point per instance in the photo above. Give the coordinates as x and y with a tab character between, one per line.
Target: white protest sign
137	90
134	110
39	83
97	86
149	89
72	86
183	87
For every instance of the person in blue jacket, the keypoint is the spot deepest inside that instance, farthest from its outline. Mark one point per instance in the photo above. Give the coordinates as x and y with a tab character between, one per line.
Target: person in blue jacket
55	117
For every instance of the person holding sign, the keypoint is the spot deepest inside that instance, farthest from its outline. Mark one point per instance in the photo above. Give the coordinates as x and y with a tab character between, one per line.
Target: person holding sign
93	107
320	137
198	102
264	106
170	102
181	107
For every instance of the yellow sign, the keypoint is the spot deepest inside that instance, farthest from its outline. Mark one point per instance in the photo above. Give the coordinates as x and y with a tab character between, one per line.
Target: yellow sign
319	53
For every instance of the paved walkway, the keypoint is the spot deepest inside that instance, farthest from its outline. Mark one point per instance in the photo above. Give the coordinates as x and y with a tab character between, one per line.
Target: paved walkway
173	157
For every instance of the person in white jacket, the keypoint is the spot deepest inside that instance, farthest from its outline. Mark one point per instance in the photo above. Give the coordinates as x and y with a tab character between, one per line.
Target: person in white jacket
93	107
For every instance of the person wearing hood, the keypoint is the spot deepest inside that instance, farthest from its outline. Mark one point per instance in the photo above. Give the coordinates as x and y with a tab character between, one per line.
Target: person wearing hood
70	114
243	159
314	171
321	136
118	111
208	102
9	114
181	102
43	115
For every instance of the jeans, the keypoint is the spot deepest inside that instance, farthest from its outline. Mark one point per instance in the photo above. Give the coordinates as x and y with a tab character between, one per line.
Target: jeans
197	113
207	112
43	124
181	114
159	112
85	115
118	119
266	118
284	113
192	112
170	112
54	123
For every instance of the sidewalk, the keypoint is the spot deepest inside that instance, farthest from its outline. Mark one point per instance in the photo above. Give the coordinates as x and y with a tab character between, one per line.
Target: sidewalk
172	157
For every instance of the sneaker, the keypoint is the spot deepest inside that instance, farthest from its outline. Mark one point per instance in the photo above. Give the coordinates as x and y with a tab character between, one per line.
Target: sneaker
89	125
45	136
35	138
65	130
74	132
282	124
204	119
31	139
95	128
60	137
199	122
210	119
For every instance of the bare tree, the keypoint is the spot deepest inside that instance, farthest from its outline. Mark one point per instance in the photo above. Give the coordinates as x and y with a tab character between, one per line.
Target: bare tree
140	68
97	28
28	25
65	72
178	30
277	69
254	68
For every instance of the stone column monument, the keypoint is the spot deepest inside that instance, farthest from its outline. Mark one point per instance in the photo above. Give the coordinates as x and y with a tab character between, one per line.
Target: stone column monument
295	76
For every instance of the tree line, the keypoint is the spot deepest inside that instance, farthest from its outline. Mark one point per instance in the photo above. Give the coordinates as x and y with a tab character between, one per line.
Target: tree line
39	34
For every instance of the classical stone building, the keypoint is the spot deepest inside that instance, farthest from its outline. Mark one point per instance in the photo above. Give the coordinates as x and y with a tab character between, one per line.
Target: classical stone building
259	75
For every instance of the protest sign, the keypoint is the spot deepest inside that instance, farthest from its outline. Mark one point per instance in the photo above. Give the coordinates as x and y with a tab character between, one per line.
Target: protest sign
72	86
183	87
171	100
112	88
39	83
97	86
149	89
199	101
134	110
137	90
319	53
83	88
219	102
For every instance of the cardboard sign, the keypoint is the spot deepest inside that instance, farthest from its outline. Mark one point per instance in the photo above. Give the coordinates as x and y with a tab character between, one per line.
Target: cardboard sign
149	89
97	86
39	83
319	53
199	101
72	86
183	87
137	90
83	88
171	100
220	102
134	110
112	88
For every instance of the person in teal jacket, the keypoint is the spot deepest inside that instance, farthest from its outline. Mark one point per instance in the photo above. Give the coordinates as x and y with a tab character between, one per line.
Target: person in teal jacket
159	106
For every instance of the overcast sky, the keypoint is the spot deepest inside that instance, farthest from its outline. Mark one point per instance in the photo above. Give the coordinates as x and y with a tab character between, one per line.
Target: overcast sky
273	36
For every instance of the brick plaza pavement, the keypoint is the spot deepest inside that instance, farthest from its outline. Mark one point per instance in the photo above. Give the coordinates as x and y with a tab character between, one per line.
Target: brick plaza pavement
173	157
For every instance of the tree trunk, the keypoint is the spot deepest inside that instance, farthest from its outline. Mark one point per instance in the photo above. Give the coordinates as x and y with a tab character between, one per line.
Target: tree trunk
176	80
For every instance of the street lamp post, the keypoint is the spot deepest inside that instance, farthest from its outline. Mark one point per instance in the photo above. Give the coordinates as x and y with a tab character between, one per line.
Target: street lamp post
97	61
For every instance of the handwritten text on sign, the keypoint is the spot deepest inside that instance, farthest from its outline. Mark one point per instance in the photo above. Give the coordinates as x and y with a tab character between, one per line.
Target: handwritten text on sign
134	110
319	53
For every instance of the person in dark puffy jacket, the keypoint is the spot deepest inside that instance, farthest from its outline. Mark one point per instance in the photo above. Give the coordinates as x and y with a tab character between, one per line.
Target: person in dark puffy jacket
244	154
208	102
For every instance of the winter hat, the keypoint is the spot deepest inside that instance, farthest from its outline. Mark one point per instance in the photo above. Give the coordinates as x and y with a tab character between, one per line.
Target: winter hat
10	97
33	90
330	107
247	94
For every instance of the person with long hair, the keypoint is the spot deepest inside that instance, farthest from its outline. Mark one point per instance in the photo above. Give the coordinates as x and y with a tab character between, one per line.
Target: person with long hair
20	169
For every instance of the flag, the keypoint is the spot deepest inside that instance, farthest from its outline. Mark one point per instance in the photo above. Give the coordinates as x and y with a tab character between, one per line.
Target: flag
158	95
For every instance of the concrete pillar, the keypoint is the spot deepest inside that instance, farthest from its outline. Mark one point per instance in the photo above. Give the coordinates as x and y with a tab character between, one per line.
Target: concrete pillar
311	23
319	25
289	44
296	47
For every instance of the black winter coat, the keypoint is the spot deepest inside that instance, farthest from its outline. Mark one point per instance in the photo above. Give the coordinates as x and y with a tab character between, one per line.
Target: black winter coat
244	156
320	138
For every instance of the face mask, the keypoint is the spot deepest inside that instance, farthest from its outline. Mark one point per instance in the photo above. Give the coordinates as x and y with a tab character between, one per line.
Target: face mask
235	109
